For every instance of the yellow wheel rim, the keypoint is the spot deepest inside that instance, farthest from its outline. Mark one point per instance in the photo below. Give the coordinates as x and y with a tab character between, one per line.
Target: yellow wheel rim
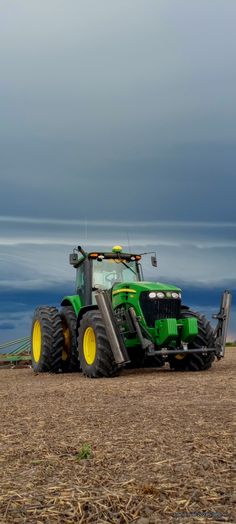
67	344
37	341
89	346
179	356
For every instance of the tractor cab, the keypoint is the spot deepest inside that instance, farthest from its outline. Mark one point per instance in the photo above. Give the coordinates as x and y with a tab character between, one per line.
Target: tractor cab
102	270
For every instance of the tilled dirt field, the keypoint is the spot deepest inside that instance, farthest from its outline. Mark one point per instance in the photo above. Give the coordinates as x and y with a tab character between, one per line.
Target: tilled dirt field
161	447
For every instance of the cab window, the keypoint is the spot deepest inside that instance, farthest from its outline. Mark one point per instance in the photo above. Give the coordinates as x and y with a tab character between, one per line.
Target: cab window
108	272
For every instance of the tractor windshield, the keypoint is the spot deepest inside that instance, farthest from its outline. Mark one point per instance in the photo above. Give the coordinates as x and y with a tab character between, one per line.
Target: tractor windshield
108	272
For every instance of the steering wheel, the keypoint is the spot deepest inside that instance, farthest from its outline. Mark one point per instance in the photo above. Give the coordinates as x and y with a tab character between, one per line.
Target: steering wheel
111	277
98	286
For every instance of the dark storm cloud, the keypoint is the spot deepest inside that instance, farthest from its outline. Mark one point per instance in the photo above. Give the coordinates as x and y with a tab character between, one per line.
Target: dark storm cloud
118	109
121	116
34	252
175	183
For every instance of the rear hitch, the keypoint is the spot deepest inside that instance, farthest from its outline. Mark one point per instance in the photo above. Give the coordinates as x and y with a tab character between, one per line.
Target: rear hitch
222	325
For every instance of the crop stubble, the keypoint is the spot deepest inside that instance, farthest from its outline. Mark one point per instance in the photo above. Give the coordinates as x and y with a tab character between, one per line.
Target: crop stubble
161	447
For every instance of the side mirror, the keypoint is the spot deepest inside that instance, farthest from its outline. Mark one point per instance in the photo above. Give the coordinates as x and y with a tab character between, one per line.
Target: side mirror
154	260
74	259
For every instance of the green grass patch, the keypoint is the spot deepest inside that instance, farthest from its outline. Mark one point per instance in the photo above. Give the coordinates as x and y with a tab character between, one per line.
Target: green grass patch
85	452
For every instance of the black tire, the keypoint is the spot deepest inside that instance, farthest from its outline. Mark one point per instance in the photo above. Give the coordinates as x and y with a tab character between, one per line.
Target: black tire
70	355
46	340
98	360
205	338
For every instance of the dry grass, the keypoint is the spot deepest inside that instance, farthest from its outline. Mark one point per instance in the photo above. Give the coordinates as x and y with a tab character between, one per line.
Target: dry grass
160	447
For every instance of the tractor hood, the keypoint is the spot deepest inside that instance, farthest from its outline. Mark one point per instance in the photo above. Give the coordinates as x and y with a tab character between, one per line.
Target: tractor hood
138	287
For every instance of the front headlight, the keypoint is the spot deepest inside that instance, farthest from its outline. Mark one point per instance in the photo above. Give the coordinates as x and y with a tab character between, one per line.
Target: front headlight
152	294
176	295
160	294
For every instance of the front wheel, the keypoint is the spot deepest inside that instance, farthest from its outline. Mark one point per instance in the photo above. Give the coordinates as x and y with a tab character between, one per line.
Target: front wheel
205	338
95	354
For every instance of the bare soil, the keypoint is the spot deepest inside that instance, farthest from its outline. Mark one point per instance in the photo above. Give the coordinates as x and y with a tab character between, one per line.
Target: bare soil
161	446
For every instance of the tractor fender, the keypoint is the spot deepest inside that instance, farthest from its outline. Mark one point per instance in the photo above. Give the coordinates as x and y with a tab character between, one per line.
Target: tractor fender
74	301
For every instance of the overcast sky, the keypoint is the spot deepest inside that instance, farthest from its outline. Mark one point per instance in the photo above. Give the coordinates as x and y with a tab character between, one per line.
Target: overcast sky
117	122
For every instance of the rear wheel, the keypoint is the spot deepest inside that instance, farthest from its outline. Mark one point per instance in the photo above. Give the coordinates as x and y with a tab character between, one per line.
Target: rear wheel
205	338
95	354
70	356
46	340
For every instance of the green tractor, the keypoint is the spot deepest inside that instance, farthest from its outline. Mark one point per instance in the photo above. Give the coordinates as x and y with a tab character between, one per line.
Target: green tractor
116	319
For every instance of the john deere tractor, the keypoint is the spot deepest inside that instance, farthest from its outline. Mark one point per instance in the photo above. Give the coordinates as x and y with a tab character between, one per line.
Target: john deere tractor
117	319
